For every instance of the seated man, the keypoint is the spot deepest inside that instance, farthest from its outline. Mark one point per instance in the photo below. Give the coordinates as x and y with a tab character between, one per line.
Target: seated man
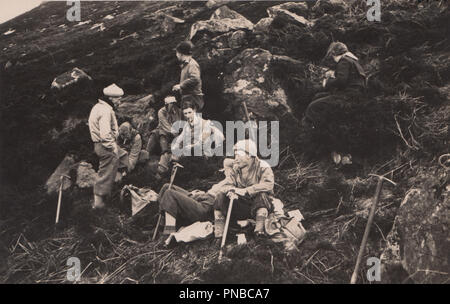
130	145
162	135
348	86
198	135
186	207
252	180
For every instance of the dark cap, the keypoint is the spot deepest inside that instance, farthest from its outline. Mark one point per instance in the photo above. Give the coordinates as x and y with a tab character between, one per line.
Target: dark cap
185	48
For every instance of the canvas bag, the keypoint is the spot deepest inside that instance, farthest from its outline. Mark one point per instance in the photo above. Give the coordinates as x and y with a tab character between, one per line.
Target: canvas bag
140	197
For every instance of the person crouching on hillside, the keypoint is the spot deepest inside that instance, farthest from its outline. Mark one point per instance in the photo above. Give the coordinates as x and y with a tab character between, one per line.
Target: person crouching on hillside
104	132
252	180
130	148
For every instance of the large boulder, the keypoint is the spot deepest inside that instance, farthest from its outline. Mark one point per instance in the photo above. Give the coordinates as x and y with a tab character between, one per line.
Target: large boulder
164	25
139	112
223	20
419	240
54	182
69	78
249	79
283	12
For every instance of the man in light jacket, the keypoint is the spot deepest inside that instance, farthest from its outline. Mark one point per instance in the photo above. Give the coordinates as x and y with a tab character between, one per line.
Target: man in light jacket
252	180
104	132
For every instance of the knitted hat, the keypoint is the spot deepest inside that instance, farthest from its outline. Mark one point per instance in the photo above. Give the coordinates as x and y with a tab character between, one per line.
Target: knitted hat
170	99
247	146
113	91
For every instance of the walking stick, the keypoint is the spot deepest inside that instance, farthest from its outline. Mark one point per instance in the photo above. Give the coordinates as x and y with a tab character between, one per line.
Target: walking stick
172	178
369	224
227	222
60	197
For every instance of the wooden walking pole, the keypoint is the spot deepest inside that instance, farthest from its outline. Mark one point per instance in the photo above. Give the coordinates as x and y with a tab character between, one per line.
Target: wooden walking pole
369	224
172	178
227	222
58	208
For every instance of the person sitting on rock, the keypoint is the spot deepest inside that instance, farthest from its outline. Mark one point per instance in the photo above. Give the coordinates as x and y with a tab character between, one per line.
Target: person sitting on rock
163	134
185	208
190	79
252	180
104	132
130	148
198	135
348	85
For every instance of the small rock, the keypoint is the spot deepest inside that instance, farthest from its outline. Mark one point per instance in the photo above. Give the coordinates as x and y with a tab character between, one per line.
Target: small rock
69	78
64	168
86	175
216	3
9	32
8	65
284	14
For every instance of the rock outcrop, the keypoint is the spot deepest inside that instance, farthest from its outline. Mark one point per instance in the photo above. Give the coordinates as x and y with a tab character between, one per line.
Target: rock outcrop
139	112
419	240
222	21
249	80
54	182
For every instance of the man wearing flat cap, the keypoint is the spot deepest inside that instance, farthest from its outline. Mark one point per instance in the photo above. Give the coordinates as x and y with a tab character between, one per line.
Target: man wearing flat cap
190	79
162	135
104	132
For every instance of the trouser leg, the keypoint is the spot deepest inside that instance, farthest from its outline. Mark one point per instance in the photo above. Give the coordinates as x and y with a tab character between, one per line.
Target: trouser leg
153	141
107	170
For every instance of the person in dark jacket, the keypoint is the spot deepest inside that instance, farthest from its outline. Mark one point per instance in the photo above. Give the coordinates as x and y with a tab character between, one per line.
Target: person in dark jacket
347	86
190	80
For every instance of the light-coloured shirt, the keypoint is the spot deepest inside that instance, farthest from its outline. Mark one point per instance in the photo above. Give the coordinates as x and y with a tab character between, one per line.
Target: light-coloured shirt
103	124
167	119
203	133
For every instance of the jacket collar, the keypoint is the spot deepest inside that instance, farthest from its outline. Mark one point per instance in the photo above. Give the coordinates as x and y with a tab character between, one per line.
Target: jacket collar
107	103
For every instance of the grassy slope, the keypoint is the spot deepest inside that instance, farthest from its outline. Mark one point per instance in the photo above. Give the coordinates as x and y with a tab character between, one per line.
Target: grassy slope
120	250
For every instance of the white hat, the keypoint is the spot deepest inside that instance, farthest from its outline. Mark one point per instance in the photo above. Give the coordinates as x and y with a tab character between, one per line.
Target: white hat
170	99
247	146
113	91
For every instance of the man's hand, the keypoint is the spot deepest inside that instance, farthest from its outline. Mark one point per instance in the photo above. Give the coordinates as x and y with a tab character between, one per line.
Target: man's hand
240	191
236	191
324	82
176	88
197	192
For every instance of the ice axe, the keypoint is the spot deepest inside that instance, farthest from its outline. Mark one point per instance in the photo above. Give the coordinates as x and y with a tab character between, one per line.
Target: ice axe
172	178
60	196
369	224
227	222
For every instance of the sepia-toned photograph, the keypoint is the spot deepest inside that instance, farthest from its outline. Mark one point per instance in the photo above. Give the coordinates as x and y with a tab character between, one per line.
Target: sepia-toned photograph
225	142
